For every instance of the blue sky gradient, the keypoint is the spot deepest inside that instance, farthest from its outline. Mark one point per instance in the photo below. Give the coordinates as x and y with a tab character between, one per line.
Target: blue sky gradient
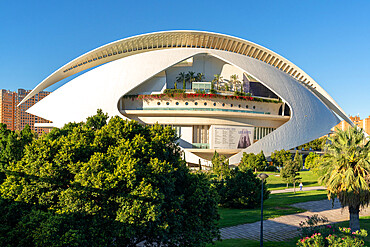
329	40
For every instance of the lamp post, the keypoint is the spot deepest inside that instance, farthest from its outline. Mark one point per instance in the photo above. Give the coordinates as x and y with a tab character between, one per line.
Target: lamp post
262	176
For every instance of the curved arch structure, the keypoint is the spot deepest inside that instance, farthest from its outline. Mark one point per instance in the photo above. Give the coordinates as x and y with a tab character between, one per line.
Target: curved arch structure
131	63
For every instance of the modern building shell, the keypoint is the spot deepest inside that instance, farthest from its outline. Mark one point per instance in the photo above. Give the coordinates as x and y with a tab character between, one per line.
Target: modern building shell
277	105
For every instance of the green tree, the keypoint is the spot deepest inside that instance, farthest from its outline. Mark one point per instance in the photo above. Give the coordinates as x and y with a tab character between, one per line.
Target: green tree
242	190
97	121
111	185
190	77
182	78
312	162
299	159
290	173
280	157
346	169
317	144
220	166
251	161
12	145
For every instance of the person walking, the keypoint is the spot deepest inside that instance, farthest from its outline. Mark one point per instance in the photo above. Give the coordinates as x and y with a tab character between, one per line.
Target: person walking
300	186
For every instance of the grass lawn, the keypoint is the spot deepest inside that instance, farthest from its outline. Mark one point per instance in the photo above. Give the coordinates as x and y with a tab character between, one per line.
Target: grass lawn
275	182
364	223
277	205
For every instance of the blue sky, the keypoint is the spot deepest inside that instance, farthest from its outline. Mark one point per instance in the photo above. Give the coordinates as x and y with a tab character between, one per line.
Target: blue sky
329	40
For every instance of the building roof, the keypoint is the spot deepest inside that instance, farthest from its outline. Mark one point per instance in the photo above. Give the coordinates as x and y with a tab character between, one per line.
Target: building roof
186	39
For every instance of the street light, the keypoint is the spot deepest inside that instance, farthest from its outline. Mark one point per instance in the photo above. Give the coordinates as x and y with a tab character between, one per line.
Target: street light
262	176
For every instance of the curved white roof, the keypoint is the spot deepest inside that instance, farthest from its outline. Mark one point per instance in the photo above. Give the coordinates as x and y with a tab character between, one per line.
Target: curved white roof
186	39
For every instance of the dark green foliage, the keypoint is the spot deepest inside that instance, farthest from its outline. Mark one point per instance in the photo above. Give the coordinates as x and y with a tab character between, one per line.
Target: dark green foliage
12	145
315	145
271	169
242	190
280	157
172	91
298	159
251	161
97	121
114	184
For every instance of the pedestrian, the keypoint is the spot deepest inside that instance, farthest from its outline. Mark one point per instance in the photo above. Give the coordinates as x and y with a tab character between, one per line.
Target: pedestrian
300	186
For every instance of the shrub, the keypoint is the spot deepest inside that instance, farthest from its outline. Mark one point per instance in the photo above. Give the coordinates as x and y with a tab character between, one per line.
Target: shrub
171	91
242	190
343	237
314	233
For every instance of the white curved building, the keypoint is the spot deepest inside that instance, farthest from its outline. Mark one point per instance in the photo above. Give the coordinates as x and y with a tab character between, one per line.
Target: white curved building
287	107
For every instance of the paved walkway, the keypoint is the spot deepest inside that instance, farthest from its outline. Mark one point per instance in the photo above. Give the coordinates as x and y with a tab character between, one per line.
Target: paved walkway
285	227
297	189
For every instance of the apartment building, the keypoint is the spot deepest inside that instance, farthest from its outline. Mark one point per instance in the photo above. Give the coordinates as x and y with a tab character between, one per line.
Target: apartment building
7	108
16	118
361	123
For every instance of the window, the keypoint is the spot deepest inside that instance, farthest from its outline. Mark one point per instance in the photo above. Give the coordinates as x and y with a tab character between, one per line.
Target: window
214	104
205	103
158	103
201	133
167	103
177	103
186	103
196	103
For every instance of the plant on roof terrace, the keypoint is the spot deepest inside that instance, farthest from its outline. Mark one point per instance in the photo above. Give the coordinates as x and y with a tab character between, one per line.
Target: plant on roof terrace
180	94
218	79
182	78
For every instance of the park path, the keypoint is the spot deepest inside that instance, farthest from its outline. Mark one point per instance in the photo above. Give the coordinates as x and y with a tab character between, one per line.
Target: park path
285	227
297	189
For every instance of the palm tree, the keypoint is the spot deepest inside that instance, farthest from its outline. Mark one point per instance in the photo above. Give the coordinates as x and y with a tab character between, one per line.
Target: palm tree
234	80
346	169
218	80
200	77
190	77
182	78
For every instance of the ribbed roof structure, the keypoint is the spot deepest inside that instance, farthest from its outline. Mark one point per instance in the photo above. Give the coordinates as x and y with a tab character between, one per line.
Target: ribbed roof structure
185	39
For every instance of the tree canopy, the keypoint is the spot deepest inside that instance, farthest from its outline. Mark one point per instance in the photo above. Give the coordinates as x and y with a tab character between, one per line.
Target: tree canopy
312	161
317	144
252	161
108	184
12	145
279	157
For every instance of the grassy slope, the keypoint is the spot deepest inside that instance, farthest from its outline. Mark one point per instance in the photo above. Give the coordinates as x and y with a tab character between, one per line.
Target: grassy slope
276	183
364	222
277	205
